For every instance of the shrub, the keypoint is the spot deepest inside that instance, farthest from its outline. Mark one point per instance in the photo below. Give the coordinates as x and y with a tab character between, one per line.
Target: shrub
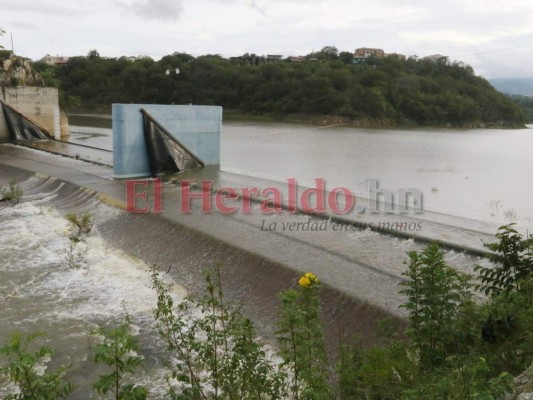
381	372
80	223
508	328
118	351
75	254
462	378
514	264
22	370
215	353
12	193
435	293
301	340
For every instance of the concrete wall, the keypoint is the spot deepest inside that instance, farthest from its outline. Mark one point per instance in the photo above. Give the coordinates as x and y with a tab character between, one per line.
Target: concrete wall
197	127
39	104
4	133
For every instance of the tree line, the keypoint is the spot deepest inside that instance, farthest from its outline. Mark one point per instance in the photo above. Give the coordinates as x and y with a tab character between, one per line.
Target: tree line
525	103
380	91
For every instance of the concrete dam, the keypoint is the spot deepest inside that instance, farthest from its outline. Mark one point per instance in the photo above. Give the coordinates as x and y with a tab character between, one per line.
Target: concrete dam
360	268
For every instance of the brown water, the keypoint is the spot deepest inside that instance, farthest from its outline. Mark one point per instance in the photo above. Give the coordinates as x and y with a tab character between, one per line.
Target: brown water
41	293
476	174
479	174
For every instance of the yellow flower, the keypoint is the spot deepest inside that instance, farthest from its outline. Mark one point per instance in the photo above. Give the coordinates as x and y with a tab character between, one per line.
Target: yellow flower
307	280
304	282
311	277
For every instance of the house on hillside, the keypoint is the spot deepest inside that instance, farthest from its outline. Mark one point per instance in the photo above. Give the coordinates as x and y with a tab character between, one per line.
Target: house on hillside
361	54
254	59
57	60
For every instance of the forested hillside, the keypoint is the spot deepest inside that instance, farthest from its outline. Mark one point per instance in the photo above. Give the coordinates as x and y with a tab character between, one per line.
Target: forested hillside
380	91
526	105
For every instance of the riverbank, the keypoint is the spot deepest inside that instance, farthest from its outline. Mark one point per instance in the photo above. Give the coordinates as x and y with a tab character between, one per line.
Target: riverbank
378	123
80	116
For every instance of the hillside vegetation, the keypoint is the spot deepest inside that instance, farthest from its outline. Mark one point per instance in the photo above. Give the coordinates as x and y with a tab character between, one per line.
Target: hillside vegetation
526	105
382	91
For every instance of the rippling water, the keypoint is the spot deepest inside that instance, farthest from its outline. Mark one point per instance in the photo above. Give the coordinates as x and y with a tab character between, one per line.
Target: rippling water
480	174
477	174
40	293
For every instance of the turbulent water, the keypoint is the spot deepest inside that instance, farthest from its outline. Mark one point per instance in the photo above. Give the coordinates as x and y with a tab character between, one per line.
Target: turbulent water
40	293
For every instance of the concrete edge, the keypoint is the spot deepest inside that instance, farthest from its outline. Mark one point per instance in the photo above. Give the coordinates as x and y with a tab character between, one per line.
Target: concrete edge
445	244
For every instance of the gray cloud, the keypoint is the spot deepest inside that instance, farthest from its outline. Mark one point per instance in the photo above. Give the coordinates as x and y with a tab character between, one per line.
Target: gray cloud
165	10
22	25
258	6
38	7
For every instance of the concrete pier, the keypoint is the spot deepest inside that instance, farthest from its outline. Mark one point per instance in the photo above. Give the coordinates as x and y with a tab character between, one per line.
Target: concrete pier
197	127
39	104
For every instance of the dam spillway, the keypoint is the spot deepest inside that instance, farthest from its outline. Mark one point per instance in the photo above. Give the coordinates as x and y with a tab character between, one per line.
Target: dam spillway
360	269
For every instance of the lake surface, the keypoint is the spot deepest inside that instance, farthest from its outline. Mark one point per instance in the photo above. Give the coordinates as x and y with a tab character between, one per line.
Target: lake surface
480	174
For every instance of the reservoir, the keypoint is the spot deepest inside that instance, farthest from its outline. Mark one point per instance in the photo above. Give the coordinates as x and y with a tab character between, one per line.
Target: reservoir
474	174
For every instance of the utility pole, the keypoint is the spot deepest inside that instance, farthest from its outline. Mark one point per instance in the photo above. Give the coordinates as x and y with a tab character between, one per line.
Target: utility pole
12	48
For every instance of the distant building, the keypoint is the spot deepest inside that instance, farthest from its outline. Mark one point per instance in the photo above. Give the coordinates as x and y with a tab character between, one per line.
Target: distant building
51	60
368	51
254	59
296	58
361	54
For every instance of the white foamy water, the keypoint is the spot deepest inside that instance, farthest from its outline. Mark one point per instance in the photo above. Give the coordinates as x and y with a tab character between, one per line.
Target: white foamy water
40	293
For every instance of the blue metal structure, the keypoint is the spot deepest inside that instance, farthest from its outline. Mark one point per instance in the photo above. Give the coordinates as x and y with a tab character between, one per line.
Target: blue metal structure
197	127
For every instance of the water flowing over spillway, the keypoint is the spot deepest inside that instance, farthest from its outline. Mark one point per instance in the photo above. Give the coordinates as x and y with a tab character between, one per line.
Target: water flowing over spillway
40	293
43	295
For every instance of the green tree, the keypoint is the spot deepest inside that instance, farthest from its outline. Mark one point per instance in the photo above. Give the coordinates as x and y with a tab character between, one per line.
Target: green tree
93	54
525	103
513	255
118	350
389	89
346	57
435	294
328	53
47	73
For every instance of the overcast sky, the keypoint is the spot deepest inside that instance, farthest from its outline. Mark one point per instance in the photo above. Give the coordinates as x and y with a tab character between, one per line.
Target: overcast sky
495	37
